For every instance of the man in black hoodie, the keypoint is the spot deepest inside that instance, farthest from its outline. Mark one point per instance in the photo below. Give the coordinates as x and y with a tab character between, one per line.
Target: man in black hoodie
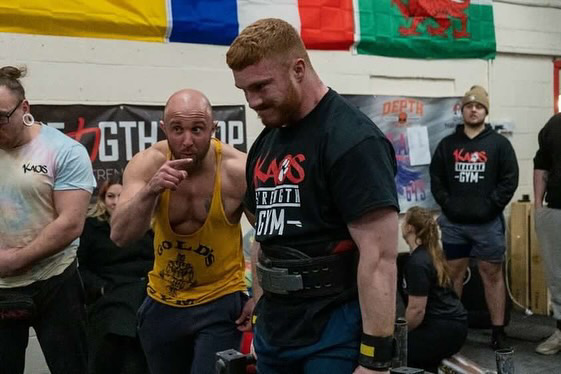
474	174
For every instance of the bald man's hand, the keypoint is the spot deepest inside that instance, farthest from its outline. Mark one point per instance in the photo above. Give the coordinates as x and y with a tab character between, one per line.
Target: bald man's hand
169	175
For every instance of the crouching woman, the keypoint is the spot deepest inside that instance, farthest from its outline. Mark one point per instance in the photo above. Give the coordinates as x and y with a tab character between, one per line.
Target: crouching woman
436	318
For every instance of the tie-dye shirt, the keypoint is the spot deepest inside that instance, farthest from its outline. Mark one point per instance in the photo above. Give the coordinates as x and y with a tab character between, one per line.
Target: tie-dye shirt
29	174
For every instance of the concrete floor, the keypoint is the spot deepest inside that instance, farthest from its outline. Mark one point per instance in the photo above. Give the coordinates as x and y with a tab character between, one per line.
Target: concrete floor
34	359
524	334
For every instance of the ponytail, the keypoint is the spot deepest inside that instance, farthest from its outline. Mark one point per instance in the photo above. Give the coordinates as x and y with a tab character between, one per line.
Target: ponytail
427	232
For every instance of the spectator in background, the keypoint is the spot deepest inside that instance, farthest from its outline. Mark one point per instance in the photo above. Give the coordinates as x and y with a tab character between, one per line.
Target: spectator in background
46	184
474	173
436	318
547	183
115	283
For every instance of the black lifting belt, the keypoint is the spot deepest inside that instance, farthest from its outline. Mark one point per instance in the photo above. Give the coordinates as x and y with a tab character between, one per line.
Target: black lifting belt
311	276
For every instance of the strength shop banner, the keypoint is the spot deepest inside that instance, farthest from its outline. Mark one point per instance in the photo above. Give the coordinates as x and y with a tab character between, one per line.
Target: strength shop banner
114	134
394	115
400	28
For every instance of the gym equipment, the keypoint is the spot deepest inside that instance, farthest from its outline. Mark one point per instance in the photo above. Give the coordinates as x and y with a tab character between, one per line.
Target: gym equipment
400	336
232	362
459	364
505	361
406	370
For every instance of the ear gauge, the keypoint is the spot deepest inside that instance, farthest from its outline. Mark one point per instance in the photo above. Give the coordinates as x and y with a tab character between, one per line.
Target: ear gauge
28	119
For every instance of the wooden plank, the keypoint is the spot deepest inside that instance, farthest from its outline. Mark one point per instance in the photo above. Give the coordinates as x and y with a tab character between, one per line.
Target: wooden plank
538	287
519	252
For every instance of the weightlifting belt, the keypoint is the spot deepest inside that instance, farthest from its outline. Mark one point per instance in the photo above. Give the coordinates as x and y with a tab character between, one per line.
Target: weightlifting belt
311	276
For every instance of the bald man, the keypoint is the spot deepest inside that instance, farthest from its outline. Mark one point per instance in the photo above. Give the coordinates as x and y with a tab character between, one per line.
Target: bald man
189	188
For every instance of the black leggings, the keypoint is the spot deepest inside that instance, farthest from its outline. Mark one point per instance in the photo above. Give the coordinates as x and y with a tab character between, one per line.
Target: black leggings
433	341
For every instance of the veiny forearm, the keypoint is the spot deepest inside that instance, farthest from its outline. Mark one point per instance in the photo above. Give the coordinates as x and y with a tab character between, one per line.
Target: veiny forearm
377	280
131	219
540	184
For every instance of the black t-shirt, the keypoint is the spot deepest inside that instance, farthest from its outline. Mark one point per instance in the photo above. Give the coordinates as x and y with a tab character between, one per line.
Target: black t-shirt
306	182
548	157
421	280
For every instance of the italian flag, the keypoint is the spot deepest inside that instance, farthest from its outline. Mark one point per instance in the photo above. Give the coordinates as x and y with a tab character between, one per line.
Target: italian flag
401	28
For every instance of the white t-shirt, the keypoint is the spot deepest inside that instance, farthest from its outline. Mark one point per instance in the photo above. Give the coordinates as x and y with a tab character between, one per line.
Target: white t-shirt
28	176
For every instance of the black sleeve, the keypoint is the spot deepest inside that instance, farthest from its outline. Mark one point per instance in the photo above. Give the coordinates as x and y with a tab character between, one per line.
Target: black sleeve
92	282
363	178
418	276
543	160
507	181
438	179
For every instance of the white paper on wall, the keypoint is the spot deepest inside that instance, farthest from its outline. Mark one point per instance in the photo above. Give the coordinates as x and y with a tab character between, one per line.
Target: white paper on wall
418	143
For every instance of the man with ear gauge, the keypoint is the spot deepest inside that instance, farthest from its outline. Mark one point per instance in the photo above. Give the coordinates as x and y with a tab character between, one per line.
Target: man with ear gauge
320	180
189	188
45	188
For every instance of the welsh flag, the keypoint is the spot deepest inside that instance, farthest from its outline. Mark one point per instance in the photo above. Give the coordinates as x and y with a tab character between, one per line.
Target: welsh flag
426	28
400	28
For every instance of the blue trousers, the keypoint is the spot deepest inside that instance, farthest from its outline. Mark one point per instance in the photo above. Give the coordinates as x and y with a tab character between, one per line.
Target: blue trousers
335	352
185	340
59	321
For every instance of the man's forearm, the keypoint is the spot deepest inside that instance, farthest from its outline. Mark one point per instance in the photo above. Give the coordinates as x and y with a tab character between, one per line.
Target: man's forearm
55	237
131	219
414	317
540	183
377	290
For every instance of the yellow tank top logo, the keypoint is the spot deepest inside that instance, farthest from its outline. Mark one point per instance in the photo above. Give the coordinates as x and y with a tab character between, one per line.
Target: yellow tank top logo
180	245
180	275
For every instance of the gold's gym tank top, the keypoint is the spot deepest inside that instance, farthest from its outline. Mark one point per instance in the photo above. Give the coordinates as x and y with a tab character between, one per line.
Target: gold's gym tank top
200	267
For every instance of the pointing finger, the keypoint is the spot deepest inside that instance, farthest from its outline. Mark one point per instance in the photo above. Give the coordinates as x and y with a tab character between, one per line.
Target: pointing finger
180	164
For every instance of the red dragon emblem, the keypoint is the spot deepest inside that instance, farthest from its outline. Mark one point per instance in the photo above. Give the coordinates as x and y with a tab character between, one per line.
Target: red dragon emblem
439	10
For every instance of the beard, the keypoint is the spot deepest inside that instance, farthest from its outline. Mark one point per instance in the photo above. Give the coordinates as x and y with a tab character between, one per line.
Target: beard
283	113
197	155
474	123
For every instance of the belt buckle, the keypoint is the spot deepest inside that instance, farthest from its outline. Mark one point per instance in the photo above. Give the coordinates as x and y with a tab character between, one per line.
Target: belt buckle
277	280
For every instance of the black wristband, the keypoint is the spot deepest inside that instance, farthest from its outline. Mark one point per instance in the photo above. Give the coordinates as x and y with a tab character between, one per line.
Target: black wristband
376	352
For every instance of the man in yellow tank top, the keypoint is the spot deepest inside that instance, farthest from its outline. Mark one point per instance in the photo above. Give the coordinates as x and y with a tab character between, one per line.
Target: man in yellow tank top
190	189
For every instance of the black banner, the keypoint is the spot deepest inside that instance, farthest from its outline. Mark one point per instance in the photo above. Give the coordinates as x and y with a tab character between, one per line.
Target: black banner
113	134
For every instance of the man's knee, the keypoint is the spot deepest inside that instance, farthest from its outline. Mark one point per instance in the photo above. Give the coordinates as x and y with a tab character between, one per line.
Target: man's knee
491	272
458	269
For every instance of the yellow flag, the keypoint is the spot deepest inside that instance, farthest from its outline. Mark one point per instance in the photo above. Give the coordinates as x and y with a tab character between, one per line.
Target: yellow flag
142	20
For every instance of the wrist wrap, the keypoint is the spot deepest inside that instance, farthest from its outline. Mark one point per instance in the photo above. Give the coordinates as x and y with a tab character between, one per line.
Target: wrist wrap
376	352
